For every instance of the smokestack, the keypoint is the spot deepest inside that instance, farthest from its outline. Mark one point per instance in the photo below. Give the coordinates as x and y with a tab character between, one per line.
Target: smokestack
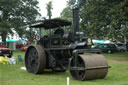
76	23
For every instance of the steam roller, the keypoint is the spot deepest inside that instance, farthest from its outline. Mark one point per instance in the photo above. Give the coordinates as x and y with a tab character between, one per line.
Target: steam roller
63	47
61	51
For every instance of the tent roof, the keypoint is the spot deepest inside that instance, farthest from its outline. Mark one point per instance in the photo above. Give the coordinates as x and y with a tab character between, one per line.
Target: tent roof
15	40
11	40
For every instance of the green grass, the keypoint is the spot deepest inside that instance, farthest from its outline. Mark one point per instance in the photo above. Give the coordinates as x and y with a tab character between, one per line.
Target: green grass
117	75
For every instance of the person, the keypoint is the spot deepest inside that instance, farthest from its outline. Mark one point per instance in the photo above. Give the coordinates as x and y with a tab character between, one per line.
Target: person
29	42
127	46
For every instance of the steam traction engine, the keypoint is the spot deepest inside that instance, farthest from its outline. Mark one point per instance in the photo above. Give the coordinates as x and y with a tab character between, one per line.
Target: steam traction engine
62	50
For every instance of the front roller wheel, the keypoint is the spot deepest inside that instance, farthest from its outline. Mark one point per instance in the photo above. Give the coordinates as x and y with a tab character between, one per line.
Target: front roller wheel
78	74
89	67
35	59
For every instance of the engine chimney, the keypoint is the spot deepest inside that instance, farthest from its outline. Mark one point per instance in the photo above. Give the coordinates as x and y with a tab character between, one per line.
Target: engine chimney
76	23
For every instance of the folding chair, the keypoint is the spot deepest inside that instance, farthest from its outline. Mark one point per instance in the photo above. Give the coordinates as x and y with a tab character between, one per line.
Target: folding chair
20	58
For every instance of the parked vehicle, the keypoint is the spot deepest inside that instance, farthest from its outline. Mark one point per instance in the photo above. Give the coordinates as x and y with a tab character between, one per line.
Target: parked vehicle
108	48
4	51
121	47
24	48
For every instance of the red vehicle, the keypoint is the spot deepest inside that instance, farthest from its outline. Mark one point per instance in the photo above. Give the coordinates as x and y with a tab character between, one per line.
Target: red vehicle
24	48
4	51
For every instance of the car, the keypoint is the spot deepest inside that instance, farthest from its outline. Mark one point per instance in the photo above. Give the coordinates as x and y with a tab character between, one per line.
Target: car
4	51
121	47
107	48
24	48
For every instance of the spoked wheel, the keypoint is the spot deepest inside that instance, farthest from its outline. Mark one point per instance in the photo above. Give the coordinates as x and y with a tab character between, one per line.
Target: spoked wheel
35	59
89	67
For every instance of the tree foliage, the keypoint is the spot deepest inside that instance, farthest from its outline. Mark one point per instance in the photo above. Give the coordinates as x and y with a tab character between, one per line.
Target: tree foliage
16	13
67	11
105	19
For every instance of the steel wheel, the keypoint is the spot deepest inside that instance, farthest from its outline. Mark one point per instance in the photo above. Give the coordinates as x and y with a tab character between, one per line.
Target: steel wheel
35	59
78	74
89	67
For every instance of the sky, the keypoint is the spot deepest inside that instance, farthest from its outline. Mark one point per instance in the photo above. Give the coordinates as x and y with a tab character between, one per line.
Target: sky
58	6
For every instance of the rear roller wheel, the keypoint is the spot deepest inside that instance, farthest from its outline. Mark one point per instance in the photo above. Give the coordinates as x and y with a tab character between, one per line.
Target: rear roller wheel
93	67
35	59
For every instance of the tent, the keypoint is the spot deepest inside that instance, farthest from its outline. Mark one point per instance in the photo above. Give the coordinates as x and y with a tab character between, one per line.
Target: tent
12	43
23	41
101	41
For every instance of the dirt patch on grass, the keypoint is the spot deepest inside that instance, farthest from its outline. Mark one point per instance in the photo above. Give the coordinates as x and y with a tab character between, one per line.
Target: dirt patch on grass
120	60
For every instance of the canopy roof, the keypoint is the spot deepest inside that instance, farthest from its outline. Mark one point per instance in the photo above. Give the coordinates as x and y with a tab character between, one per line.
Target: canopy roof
51	23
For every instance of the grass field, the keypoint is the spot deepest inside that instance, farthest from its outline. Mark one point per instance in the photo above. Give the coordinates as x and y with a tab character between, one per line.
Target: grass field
117	75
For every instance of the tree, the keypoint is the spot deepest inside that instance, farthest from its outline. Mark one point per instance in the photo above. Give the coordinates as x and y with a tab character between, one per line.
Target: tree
49	9
67	13
92	19
105	19
16	13
4	29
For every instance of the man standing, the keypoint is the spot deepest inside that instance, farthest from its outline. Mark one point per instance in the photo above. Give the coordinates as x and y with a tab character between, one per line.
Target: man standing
127	46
